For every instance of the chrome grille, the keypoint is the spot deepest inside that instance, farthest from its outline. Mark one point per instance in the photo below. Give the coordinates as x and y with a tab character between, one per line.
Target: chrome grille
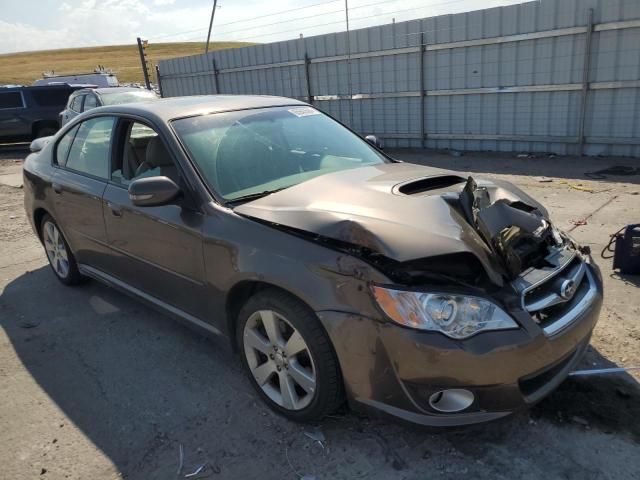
557	295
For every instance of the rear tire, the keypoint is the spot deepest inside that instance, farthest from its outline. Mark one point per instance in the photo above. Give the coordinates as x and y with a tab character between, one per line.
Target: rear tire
61	259
45	132
288	356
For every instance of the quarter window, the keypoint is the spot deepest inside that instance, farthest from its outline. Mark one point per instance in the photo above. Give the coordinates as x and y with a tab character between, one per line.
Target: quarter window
62	149
50	97
10	100
90	149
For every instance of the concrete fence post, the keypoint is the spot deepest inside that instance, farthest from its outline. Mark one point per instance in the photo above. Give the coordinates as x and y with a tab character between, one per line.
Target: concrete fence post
307	78
215	75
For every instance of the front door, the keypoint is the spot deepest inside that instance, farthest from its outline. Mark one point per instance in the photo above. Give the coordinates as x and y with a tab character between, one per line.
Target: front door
82	157
155	249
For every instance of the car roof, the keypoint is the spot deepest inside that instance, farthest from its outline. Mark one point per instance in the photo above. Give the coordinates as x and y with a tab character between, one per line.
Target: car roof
178	107
103	90
56	86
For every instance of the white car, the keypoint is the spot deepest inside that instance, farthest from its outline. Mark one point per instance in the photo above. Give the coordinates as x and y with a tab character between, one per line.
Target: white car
89	98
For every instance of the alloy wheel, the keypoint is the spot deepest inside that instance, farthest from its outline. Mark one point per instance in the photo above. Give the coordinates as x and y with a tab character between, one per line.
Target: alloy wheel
279	360
56	249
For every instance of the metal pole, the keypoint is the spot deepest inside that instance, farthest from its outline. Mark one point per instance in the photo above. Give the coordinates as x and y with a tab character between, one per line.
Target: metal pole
423	92
307	64
346	13
159	80
213	13
585	82
143	61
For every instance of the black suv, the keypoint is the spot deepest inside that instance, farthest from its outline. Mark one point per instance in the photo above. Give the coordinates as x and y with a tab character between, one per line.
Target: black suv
31	112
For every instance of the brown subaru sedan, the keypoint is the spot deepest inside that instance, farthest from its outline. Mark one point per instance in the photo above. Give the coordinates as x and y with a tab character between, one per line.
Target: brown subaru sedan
338	274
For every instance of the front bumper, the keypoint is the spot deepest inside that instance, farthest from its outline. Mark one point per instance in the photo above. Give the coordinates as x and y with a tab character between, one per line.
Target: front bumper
394	370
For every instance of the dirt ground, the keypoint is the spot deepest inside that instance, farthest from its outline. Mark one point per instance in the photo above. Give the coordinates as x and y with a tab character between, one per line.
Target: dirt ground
94	385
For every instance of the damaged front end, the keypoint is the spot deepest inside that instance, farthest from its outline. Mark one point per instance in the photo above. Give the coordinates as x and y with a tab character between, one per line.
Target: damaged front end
517	233
424	229
471	280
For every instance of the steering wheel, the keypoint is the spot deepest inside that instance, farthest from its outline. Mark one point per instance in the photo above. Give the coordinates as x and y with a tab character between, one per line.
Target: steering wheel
311	160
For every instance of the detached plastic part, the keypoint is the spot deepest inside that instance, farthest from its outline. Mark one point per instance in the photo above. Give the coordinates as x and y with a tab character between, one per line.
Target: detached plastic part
626	255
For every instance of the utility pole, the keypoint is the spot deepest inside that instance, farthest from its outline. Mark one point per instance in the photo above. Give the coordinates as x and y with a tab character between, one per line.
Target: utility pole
142	45
213	13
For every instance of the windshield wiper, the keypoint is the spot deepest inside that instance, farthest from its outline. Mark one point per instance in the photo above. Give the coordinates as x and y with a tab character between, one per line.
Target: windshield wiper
254	196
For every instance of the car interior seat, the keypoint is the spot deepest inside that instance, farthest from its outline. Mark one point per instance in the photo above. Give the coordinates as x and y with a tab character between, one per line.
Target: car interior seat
158	161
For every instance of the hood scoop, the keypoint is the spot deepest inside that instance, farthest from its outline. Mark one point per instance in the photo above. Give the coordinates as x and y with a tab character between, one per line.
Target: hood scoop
422	185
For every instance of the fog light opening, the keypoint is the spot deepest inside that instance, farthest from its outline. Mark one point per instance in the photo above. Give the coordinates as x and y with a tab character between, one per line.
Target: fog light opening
451	401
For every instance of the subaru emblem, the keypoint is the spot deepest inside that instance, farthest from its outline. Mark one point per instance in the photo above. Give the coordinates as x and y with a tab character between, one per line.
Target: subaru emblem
568	289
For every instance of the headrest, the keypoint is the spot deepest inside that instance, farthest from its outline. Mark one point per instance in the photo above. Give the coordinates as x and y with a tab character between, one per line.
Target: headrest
157	154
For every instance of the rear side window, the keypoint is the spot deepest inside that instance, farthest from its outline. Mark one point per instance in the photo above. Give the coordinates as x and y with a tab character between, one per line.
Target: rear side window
62	149
91	146
50	97
10	100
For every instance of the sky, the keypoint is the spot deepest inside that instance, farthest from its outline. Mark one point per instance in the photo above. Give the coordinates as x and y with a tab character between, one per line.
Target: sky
50	24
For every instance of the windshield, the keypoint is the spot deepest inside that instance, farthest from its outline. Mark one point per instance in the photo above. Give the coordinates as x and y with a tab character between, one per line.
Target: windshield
127	97
250	152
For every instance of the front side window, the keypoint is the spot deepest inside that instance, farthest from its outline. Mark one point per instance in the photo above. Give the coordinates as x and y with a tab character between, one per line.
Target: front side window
10	100
255	151
143	155
89	102
89	152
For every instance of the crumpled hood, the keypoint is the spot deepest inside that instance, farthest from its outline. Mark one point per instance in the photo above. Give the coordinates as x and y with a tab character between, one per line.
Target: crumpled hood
365	207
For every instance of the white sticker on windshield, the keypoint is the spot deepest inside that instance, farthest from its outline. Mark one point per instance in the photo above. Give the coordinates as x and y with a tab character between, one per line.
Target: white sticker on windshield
304	111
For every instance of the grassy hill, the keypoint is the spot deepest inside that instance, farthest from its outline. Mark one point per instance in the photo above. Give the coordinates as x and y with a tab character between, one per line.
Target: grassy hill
23	68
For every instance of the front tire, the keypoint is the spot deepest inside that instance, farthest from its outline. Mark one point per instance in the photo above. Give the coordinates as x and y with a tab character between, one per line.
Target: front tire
60	257
288	357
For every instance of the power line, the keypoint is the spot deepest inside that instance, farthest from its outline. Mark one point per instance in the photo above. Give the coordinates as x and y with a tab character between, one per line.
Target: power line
251	18
289	20
395	12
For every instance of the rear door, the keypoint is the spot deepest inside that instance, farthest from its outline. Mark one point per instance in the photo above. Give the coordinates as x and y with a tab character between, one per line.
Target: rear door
82	157
12	110
74	107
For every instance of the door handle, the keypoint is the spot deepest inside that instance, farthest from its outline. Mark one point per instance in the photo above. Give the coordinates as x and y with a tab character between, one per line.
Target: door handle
56	187
116	210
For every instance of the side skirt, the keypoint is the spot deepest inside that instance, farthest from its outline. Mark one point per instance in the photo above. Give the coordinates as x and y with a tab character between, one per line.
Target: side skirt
145	297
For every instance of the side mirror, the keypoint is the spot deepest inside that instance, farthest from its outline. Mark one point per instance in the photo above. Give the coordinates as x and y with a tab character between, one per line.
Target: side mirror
153	191
39	143
373	140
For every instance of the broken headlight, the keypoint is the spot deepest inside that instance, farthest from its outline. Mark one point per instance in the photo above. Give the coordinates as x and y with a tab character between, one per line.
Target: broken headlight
457	316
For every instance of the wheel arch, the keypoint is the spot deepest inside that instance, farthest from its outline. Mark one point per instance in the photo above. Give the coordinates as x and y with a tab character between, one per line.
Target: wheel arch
38	215
38	124
240	294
